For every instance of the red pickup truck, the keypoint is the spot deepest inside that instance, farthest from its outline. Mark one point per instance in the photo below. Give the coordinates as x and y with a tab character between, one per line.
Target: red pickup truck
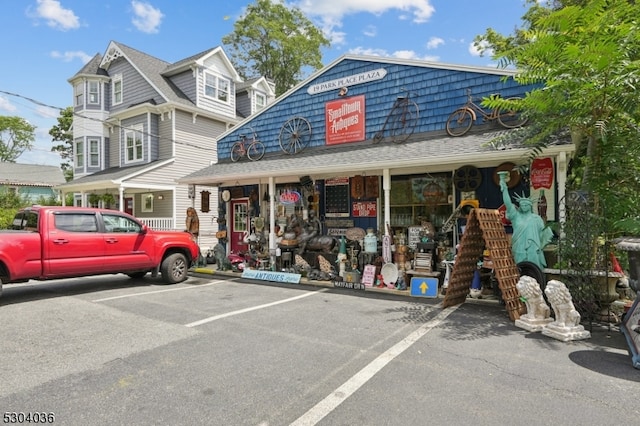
63	242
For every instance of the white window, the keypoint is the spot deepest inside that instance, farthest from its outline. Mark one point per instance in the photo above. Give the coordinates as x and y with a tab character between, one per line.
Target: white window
94	152
79	159
78	93
116	89
94	92
133	140
261	101
216	87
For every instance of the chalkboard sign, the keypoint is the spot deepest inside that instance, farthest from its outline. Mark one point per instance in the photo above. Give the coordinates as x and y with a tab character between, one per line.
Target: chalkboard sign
369	275
337	197
414	236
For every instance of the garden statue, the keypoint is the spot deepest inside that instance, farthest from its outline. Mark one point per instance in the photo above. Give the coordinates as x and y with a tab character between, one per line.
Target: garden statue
530	234
309	234
220	253
538	312
567	325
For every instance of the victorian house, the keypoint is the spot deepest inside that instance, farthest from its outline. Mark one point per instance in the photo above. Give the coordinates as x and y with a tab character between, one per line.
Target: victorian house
141	123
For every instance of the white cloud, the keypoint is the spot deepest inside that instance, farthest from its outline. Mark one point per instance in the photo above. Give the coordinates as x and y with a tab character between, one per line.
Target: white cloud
434	42
474	51
56	16
70	56
147	18
400	54
331	12
370	31
6	105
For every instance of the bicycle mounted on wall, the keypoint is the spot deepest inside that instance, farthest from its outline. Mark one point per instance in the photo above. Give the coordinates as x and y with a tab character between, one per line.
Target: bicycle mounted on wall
401	120
461	120
252	149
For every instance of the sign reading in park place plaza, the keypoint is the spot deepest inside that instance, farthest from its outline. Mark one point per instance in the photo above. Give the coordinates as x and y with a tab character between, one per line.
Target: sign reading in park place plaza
347	81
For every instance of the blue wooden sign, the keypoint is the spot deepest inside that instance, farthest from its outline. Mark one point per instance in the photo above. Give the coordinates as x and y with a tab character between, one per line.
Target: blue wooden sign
282	277
424	286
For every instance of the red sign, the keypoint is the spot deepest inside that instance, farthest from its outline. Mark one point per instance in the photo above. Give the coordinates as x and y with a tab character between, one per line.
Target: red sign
542	173
344	120
503	215
290	197
364	209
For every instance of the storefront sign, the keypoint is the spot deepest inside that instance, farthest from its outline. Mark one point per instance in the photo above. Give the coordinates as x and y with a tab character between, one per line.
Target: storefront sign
369	275
542	173
348	284
290	197
364	209
281	277
344	120
351	80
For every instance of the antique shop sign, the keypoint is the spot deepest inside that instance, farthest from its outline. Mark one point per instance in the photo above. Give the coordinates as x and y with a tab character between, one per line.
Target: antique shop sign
364	209
351	80
344	120
281	277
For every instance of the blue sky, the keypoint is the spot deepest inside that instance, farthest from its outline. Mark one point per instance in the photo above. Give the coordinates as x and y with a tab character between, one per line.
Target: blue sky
47	41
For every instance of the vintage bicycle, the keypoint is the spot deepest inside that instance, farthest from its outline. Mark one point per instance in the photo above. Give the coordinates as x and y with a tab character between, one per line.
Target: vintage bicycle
461	120
254	149
401	121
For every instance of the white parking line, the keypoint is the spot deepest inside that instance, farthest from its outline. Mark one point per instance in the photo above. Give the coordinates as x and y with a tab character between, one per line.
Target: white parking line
327	405
124	296
253	308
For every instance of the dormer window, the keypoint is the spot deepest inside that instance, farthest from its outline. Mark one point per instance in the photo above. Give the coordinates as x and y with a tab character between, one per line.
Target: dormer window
94	92
261	101
116	89
216	87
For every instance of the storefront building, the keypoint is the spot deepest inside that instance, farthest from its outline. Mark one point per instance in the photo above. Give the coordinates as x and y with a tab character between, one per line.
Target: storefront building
336	145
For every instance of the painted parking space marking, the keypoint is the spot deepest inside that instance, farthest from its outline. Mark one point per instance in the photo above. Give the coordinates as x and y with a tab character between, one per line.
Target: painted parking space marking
124	296
338	396
253	308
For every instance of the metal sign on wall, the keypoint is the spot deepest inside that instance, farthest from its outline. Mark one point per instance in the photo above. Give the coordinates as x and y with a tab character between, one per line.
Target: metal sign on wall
344	120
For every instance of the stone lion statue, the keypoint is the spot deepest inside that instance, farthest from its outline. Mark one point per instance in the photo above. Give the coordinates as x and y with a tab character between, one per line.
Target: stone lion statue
565	313
530	291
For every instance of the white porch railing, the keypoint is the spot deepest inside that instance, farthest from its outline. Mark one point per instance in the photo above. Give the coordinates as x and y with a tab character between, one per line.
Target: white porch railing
159	223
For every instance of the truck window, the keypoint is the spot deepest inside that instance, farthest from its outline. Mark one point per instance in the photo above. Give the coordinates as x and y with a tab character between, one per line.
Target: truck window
25	220
76	222
115	223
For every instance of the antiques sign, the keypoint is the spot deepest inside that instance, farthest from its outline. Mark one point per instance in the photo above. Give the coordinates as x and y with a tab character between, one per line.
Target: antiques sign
364	209
350	80
344	120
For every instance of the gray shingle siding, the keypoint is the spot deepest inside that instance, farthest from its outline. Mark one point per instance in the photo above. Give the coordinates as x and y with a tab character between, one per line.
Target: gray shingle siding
136	89
186	82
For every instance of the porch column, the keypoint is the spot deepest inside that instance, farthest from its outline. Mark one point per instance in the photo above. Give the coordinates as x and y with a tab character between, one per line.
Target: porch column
562	184
121	198
386	189
272	220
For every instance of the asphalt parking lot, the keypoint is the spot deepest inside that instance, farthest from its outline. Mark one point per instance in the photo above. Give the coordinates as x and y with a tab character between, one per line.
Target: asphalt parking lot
221	350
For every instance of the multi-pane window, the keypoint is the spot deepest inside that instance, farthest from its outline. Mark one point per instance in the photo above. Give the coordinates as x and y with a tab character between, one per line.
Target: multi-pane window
117	89
216	87
78	92
261	101
94	152
94	92
79	154
133	140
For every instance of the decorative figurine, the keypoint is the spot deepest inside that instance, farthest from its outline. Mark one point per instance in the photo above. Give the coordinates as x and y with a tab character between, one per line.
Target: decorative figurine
567	325
538	313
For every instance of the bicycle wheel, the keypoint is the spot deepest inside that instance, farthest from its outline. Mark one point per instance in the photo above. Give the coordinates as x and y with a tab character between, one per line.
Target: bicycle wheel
511	119
237	151
255	151
403	121
295	134
459	122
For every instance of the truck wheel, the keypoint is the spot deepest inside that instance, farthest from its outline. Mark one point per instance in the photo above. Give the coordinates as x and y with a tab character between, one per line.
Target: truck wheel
174	268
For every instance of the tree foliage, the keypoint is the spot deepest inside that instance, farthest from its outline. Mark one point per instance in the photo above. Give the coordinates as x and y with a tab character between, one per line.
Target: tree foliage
16	137
61	132
276	42
585	55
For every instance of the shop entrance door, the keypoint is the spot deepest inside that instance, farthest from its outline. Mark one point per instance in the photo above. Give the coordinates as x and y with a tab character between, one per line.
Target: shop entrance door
239	224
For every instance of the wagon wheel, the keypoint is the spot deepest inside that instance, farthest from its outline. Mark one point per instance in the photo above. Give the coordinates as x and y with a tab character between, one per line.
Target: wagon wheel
295	135
467	178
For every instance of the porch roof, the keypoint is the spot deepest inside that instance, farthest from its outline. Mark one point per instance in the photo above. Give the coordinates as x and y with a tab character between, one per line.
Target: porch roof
419	154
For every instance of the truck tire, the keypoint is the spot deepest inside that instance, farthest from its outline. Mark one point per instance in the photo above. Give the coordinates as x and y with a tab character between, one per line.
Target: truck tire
174	268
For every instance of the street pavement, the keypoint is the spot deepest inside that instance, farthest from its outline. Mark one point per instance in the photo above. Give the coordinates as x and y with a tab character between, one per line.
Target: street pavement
219	350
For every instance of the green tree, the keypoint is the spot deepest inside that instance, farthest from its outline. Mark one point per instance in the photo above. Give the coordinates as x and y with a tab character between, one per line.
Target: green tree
276	42
16	137
585	57
61	132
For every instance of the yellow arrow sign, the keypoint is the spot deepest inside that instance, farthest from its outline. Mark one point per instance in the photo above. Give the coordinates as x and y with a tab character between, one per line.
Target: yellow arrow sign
424	287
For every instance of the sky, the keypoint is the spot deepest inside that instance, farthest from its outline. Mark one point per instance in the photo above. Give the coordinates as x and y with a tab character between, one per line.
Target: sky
46	42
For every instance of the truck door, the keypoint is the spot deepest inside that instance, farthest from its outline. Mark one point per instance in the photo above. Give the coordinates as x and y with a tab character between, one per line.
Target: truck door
73	246
126	247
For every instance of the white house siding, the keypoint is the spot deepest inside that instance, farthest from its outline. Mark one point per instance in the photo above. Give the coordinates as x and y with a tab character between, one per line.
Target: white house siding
135	88
86	125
